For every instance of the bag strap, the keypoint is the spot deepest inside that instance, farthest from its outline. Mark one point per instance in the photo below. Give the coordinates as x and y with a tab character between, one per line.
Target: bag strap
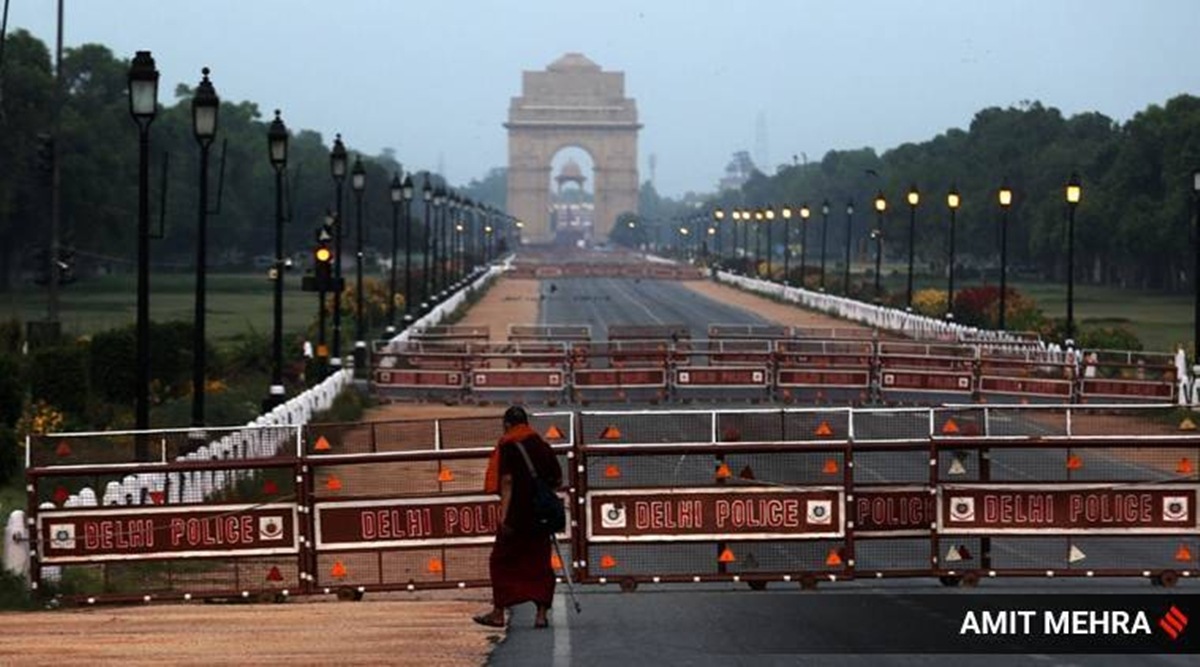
528	461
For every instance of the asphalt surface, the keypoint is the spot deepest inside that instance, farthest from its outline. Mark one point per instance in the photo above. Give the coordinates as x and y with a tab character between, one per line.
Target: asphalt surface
731	625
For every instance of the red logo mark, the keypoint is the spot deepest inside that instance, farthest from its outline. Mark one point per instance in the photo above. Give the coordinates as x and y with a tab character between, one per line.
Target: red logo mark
1173	622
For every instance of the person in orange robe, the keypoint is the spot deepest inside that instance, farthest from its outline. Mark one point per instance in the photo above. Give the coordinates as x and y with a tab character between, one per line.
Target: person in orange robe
520	561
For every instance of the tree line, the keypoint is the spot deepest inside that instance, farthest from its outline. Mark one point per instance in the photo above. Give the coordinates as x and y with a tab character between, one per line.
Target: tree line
97	148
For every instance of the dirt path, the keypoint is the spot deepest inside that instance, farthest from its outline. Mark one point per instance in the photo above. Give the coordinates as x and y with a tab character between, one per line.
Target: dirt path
423	629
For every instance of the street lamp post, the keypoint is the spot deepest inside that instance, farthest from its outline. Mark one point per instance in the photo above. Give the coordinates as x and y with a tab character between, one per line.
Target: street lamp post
804	215
1074	194
277	145
1005	196
396	191
758	235
718	223
877	236
849	238
427	197
205	108
337	169
358	183
406	191
143	105
786	214
824	235
769	219
953	200
1196	275
439	241
736	215
914	198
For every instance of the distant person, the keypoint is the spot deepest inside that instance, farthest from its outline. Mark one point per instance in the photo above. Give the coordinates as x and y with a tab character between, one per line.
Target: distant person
1089	364
520	562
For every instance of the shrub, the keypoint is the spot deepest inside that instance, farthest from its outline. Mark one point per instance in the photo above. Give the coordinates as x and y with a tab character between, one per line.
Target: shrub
58	376
930	302
113	365
10	456
12	336
347	407
12	390
1109	338
980	307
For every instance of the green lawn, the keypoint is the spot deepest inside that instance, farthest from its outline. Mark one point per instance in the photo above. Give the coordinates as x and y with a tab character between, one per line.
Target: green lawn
1159	320
237	303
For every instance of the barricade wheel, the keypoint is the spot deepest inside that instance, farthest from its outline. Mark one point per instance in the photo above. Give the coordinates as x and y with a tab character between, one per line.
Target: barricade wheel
950	581
970	580
349	594
808	582
628	585
1166	579
757	585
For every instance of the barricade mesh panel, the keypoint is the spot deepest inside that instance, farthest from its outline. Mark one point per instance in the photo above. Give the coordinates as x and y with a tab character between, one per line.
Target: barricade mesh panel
390	478
880	555
471	432
1023	464
751	426
646	428
1088	422
121	447
175	578
961	553
395	568
959	464
891	467
630	560
816	425
1093	553
650	470
369	437
111	488
783	556
891	425
786	469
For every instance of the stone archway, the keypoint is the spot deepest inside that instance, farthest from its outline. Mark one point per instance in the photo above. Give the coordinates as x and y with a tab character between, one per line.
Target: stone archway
572	103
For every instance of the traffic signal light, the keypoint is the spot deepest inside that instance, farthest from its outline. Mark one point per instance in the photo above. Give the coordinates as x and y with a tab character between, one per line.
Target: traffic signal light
322	279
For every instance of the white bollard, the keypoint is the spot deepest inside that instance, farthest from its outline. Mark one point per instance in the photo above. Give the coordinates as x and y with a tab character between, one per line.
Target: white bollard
16	545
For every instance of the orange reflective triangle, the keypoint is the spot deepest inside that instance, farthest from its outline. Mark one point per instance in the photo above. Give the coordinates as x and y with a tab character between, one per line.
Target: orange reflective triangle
746	473
555	562
158	497
950	427
823	430
445	475
607	561
612	471
322	445
274	574
333	483
610	432
338	570
723	471
1187	424
834	557
830	467
553	433
63	449
435	566
726	556
1074	462
270	488
1184	467
322	350
1183	554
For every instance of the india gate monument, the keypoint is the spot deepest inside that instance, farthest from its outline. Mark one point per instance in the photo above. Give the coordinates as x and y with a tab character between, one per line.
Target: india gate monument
573	103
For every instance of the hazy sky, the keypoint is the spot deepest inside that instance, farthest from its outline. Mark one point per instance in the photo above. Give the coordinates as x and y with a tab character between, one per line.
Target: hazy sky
433	79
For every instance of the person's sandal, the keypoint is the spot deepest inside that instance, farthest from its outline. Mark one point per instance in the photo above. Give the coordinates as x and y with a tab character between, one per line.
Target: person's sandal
489	619
543	623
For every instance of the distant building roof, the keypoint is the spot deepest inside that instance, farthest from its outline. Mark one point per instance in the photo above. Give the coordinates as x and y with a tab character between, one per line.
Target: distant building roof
573	61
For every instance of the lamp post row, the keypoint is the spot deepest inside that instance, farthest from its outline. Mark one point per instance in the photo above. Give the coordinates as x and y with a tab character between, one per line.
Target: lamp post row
143	79
765	216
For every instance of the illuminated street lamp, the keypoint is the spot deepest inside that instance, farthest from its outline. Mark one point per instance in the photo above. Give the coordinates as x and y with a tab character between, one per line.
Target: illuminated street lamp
406	191
205	109
1005	197
718	220
953	200
824	235
914	198
1074	195
804	214
769	218
758	224
426	282
849	238
337	169
277	145
143	105
786	214
877	236
358	183
1196	275
396	193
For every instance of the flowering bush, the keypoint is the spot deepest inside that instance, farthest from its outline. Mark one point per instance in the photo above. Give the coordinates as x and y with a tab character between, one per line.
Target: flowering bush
931	302
37	418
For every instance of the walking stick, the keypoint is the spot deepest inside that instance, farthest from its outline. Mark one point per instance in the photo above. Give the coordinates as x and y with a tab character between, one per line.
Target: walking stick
567	573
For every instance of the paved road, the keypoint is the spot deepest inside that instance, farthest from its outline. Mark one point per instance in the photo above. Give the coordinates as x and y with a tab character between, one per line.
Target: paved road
601	302
838	625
